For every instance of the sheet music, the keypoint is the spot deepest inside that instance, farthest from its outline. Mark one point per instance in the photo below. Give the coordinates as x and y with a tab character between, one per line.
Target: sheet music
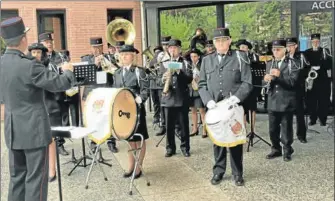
101	77
76	132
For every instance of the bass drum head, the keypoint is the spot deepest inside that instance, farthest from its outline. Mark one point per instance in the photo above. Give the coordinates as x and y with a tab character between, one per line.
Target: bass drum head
124	115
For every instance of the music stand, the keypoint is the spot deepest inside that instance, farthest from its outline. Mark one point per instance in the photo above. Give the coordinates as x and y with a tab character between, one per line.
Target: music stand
85	74
257	73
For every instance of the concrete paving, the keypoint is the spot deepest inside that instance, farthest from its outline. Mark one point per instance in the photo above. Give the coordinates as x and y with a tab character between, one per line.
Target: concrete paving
309	176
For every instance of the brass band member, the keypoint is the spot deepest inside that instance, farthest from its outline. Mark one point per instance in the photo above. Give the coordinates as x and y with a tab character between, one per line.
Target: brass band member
318	98
55	59
134	78
292	48
195	100
39	51
282	75
162	56
176	101
209	48
23	81
225	74
96	58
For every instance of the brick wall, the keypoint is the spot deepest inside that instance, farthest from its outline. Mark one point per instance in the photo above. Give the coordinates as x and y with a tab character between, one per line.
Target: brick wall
84	19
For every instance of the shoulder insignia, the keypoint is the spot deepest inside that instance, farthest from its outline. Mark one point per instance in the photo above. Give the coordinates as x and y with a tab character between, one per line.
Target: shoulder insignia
87	55
27	57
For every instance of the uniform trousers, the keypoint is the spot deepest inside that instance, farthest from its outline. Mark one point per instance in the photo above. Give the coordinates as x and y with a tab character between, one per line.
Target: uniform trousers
300	117
178	115
318	100
281	130
29	171
236	160
156	96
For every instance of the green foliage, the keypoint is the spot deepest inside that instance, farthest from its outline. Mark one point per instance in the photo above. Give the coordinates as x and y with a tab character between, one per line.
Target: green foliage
3	45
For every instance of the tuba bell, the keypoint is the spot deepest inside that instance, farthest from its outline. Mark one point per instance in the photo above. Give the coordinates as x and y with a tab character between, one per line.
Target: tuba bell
120	30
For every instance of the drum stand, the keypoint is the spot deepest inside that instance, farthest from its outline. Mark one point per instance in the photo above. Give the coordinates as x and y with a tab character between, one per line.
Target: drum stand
94	161
137	164
178	136
252	134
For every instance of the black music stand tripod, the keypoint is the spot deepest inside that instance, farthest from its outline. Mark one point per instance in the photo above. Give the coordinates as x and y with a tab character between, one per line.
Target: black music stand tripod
256	73
85	75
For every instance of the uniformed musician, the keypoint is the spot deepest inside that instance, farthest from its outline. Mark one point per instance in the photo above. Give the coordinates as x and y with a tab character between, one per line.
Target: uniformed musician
39	51
162	56
176	102
250	104
209	48
299	57
134	78
23	81
96	58
156	87
195	99
318	98
56	59
281	78
225	74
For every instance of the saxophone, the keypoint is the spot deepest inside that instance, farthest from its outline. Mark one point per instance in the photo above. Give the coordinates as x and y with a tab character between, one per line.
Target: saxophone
167	83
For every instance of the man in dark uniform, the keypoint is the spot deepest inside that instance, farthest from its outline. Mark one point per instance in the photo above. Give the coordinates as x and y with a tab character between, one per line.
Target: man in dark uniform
27	126
176	101
281	77
318	98
55	60
162	56
250	104
96	58
225	74
292	45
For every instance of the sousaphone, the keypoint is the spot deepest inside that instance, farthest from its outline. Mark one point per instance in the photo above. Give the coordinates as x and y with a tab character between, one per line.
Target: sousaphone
120	30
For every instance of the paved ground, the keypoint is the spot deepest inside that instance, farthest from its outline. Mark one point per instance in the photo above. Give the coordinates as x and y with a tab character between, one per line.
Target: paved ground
309	176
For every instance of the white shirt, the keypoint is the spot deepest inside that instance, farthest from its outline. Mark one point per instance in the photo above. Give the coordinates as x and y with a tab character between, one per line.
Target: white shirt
124	71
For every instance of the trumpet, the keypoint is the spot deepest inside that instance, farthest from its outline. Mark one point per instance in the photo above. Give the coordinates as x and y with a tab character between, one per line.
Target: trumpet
106	65
149	57
312	75
167	83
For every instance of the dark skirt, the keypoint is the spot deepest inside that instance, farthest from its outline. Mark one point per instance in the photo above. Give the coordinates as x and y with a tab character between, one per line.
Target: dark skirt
196	102
142	127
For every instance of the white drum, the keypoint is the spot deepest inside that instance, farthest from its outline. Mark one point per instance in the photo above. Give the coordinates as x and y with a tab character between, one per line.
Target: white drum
225	124
111	111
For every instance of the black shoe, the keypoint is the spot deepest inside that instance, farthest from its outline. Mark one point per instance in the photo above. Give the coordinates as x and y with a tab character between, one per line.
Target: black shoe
186	153
138	175
239	181
93	147
162	131
194	134
112	148
273	154
62	151
302	140
127	174
216	179
312	123
287	158
323	124
51	179
169	153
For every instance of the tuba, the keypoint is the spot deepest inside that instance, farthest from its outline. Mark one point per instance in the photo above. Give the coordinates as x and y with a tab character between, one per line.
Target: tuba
120	30
149	57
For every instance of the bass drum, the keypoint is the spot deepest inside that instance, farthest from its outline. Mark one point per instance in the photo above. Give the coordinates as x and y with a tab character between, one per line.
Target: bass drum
111	111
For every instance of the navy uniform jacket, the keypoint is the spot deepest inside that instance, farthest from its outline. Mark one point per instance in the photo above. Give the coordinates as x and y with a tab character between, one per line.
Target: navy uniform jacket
178	94
304	68
318	58
230	77
23	81
155	81
88	88
282	90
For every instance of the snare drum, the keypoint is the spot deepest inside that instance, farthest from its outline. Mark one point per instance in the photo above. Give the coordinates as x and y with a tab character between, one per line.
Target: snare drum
111	111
